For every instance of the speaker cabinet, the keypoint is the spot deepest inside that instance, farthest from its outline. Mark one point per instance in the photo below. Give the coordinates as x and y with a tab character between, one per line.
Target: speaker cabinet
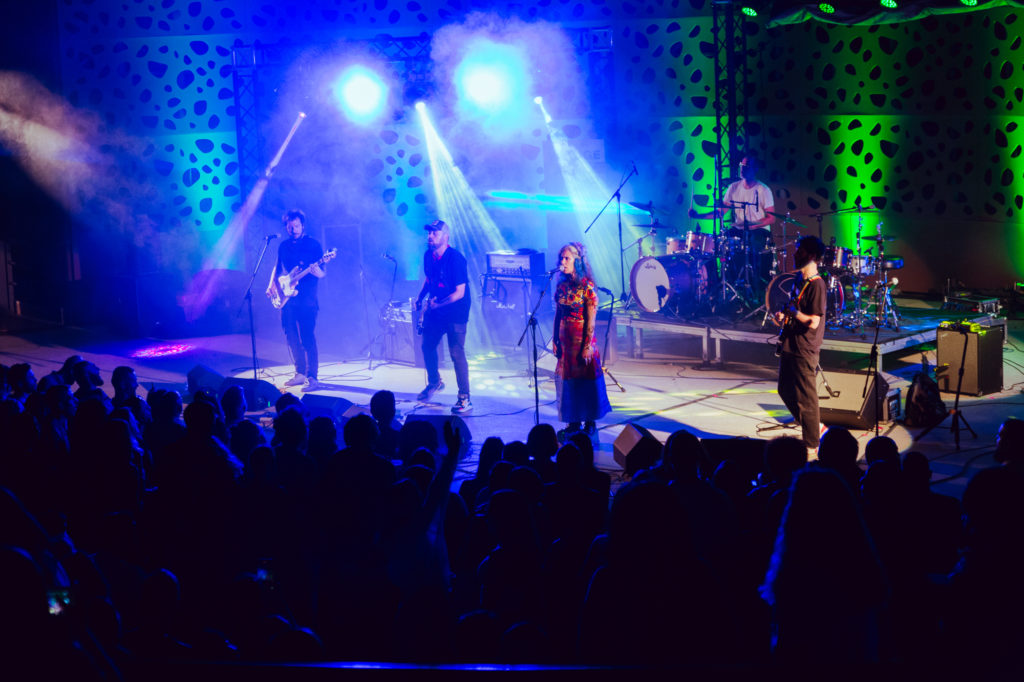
506	304
259	394
202	377
438	421
636	448
983	364
327	406
853	406
401	343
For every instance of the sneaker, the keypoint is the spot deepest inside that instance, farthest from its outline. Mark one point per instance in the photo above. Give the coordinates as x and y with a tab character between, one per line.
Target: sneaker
430	390
812	454
311	384
298	380
462	405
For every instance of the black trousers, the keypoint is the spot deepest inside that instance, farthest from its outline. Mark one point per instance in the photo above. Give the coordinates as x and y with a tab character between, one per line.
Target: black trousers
299	322
798	389
432	333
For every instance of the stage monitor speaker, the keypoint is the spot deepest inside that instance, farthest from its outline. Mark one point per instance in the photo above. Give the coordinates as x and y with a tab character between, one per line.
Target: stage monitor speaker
259	394
438	421
853	407
983	364
202	377
636	448
328	406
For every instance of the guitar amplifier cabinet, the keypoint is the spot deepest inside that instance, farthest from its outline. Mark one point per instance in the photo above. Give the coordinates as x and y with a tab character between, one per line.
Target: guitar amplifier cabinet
983	363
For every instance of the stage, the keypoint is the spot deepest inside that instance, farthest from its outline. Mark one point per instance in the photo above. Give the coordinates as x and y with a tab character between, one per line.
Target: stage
668	388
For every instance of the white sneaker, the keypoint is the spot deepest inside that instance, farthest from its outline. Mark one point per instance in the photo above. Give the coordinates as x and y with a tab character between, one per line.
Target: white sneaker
311	384
297	380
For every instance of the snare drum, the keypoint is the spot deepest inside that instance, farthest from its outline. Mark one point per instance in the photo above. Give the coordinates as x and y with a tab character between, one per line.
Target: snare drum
674	282
700	243
862	265
837	257
892	263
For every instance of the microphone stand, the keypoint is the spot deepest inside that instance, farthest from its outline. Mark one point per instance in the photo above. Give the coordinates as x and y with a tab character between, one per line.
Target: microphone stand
607	335
247	300
531	326
618	210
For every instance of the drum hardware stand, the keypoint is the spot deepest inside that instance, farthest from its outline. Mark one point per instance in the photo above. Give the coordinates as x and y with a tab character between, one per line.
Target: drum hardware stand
955	412
617	196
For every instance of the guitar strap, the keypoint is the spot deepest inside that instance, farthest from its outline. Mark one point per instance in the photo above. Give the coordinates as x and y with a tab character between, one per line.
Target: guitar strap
804	288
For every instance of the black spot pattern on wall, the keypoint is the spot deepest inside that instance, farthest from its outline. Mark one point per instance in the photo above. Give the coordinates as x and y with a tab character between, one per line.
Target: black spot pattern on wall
901	100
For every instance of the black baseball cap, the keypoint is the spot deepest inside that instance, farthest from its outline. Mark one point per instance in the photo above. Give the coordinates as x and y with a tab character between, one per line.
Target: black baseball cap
435	225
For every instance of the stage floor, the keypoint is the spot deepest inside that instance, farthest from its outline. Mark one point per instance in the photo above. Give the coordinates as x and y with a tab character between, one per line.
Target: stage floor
668	389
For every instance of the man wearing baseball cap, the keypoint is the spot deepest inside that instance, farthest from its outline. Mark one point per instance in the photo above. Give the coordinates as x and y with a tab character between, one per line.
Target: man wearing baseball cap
444	301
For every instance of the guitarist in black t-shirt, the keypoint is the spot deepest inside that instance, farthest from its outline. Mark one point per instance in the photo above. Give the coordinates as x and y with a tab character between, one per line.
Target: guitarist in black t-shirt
445	302
292	288
802	331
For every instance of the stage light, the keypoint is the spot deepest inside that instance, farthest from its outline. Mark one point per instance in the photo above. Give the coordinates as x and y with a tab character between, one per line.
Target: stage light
420	106
749	11
538	100
888	4
826	8
362	94
491	77
969	3
543	109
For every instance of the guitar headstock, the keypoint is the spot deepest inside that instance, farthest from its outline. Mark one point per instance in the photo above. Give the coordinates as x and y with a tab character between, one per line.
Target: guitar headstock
329	255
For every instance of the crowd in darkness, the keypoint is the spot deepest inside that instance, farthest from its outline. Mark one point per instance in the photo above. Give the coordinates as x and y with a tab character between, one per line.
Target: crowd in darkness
139	530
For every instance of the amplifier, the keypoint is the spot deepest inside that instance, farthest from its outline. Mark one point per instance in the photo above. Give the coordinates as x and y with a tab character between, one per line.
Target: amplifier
980	348
521	263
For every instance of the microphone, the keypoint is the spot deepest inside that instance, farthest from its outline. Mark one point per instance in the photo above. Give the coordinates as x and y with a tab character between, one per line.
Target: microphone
635	171
271	237
388	256
894	282
551	272
606	291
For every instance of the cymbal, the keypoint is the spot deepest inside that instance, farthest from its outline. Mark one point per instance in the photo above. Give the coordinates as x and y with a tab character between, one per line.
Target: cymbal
880	238
646	208
655	225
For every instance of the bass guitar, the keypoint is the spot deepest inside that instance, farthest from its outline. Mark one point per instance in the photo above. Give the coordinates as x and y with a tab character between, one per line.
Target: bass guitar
420	316
284	288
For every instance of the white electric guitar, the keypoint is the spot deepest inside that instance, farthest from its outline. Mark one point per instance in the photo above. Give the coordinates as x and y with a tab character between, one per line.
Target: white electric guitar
283	289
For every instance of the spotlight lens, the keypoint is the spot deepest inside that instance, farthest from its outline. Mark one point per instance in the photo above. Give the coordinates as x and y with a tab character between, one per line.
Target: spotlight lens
361	93
420	106
538	99
826	8
749	11
492	77
888	4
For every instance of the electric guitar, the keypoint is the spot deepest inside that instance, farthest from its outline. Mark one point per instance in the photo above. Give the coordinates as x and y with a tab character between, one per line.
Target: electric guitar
789	311
283	289
420	316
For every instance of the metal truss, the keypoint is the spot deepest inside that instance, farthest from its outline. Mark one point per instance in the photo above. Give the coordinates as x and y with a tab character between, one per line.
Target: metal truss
731	89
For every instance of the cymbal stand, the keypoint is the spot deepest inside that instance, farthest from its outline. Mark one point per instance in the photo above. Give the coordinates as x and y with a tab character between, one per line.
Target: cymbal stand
885	310
777	263
856	320
746	277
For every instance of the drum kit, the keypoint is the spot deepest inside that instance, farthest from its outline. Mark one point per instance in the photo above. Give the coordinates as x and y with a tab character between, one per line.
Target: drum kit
733	271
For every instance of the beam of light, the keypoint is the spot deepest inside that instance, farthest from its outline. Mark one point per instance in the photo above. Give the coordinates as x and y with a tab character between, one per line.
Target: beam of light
492	82
362	94
473	231
202	290
588	194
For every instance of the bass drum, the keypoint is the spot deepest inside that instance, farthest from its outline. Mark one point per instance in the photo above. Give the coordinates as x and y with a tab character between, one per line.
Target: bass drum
780	290
677	283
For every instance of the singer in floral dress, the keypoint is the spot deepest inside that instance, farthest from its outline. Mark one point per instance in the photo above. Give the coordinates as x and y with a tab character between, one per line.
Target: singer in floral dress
579	378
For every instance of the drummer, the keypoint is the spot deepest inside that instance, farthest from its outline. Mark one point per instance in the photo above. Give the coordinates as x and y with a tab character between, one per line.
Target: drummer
752	204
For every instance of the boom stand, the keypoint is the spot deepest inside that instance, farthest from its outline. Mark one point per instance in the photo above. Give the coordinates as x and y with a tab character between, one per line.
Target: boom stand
957	415
247	299
618	210
873	370
531	326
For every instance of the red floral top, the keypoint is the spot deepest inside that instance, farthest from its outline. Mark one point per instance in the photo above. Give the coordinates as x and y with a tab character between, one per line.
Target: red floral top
572	298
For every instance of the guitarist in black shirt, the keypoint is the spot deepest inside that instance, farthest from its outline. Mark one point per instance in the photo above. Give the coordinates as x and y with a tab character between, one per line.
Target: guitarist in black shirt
298	299
802	331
